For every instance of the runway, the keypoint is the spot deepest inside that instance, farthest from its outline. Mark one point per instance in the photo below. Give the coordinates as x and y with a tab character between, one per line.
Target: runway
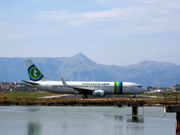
76	96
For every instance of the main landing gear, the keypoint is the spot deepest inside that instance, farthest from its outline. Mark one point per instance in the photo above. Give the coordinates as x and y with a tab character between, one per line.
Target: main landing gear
85	96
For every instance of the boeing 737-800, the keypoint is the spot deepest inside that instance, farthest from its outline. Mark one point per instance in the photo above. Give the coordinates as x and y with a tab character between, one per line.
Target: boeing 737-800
99	89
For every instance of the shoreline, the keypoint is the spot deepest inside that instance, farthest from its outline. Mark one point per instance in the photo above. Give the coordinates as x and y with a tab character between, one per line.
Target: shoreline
88	102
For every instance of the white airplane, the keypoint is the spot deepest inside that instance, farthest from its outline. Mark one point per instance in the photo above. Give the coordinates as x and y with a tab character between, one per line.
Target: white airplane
98	89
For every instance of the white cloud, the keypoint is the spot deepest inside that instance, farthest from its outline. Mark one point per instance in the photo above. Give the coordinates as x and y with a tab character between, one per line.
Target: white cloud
150	1
136	18
54	15
104	14
64	15
108	1
141	19
99	16
79	19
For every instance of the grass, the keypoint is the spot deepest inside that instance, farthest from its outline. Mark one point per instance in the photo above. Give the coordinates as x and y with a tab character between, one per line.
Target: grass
23	95
169	95
24	98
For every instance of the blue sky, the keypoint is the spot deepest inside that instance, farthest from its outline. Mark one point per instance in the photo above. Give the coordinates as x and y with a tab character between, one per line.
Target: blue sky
120	32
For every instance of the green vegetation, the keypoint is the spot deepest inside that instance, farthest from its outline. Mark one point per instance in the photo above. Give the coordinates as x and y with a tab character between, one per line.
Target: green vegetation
24	98
22	95
6	87
169	95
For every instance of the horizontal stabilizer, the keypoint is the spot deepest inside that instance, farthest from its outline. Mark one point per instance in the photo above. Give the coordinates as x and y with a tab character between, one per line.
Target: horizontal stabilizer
30	82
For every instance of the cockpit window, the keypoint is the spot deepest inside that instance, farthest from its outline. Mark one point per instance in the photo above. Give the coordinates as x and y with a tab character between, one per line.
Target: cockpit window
140	86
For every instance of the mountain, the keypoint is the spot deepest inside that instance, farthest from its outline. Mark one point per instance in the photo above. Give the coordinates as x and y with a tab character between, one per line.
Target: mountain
159	73
81	68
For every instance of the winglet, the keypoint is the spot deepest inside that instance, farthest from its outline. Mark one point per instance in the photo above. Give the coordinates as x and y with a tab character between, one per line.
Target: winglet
64	83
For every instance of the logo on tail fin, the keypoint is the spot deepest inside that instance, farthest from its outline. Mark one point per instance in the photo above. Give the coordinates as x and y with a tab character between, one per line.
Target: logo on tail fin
34	73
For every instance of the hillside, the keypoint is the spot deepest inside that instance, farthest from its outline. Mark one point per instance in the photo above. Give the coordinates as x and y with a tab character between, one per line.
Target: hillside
81	68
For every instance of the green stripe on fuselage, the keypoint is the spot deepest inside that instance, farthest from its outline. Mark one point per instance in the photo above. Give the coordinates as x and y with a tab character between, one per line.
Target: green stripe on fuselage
117	87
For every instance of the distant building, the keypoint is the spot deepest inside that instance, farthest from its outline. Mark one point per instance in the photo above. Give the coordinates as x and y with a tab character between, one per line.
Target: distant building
176	88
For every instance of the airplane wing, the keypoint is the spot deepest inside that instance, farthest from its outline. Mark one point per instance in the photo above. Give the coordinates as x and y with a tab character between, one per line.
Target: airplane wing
78	90
30	82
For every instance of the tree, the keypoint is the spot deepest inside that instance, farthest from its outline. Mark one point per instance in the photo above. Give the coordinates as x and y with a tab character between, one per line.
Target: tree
150	87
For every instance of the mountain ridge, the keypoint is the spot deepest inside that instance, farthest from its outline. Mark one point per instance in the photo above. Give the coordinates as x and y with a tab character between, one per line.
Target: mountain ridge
80	68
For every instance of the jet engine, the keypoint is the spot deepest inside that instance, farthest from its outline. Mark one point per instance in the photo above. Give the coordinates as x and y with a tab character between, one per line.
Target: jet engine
98	93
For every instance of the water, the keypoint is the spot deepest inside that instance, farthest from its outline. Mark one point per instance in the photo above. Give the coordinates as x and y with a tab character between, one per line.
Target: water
35	120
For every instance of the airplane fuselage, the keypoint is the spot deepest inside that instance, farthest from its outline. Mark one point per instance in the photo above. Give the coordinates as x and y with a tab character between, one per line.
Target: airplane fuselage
107	87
